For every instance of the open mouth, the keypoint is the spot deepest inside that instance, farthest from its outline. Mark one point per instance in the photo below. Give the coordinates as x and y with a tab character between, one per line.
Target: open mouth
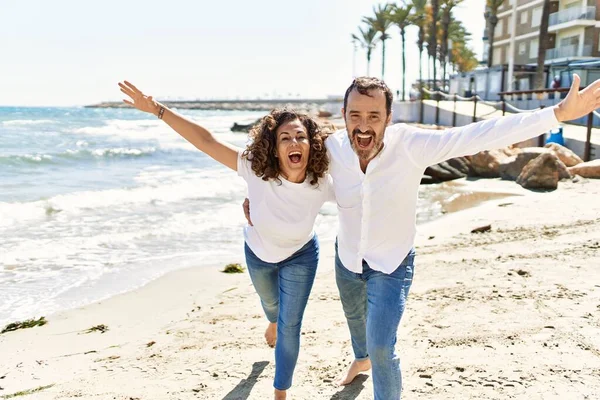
295	157
364	140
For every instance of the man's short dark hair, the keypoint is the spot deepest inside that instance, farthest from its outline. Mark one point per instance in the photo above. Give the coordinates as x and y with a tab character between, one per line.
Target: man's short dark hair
364	84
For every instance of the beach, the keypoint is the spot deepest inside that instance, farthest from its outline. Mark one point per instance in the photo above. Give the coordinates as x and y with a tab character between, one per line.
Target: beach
509	313
97	202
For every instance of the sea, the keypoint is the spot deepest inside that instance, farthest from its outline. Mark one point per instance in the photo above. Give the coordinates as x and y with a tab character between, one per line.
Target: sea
99	201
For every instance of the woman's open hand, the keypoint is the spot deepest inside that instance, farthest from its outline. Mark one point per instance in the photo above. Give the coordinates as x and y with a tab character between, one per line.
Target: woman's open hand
140	100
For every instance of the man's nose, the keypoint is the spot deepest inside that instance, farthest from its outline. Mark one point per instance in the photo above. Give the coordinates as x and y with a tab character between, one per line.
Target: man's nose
362	126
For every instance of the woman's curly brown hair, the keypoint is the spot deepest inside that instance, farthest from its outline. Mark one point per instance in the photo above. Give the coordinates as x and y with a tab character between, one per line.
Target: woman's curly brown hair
261	151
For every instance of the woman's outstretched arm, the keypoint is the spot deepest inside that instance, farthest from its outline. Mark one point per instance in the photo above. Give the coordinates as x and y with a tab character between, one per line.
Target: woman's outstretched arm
202	139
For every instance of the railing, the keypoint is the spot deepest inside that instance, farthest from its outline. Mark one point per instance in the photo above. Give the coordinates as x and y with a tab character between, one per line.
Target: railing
568	51
540	94
572	14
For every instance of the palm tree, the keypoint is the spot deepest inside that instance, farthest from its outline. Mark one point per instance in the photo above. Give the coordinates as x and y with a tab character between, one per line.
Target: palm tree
491	19
401	17
381	23
463	57
432	42
542	46
367	40
447	6
419	18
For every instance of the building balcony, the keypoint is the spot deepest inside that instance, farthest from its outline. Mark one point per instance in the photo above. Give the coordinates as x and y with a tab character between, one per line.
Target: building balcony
572	14
568	52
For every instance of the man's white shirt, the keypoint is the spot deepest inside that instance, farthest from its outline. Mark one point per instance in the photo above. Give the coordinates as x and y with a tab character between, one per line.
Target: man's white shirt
377	209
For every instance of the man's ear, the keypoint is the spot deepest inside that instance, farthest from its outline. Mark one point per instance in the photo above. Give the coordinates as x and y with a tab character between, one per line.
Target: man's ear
344	114
388	120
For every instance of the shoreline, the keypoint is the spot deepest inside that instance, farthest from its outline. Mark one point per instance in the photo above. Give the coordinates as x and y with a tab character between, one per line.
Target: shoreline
451	196
230	105
207	326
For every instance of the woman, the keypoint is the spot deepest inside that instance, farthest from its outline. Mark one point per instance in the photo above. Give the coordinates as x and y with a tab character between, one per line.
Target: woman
285	168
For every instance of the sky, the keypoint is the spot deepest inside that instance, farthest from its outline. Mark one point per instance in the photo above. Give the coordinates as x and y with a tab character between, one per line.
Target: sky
73	52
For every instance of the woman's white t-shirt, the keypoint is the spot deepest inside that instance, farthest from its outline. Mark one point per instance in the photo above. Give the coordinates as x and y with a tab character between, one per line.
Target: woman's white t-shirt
283	213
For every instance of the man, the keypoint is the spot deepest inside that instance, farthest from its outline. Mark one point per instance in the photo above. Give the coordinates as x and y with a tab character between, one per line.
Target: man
376	172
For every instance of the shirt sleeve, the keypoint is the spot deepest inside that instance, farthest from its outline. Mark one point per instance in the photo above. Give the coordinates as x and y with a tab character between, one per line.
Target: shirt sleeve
244	166
427	147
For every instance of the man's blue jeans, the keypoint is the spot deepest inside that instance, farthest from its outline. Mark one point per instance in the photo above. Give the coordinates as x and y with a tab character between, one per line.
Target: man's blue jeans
373	303
283	289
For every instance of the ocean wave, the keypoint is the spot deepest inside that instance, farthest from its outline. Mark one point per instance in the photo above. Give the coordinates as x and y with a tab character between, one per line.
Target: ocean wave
27	122
219	186
77	155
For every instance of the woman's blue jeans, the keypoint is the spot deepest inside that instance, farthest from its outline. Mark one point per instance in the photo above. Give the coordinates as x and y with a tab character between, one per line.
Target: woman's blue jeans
284	288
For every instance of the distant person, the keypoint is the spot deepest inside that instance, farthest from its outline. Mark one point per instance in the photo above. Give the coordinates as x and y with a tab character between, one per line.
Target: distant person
555	82
285	167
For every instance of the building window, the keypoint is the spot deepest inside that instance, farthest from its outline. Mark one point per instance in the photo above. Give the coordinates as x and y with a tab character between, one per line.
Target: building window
509	27
598	42
569	46
570	41
533	48
524	17
497	57
499	28
522	48
536	17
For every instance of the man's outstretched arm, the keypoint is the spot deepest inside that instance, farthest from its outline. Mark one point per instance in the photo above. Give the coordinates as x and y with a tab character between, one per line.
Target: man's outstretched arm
427	147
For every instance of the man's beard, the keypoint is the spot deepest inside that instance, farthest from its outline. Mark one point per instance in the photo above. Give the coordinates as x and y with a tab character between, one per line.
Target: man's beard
366	154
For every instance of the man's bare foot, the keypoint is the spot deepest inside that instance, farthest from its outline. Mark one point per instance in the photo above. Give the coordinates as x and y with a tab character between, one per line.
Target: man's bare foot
271	334
356	368
280	394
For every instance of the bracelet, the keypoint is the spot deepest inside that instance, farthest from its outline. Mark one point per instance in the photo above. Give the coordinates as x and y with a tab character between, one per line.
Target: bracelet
161	112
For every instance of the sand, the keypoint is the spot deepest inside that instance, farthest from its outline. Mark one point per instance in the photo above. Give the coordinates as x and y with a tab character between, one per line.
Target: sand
510	313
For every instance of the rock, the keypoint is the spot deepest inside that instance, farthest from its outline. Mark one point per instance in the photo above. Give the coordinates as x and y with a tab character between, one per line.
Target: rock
486	163
461	164
565	155
511	167
512	151
563	171
590	169
427	180
443	172
241	127
482	229
540	173
324	114
244	127
533	142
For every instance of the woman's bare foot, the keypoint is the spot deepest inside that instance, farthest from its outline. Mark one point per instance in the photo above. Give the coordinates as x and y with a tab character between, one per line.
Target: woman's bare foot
271	334
280	394
356	368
